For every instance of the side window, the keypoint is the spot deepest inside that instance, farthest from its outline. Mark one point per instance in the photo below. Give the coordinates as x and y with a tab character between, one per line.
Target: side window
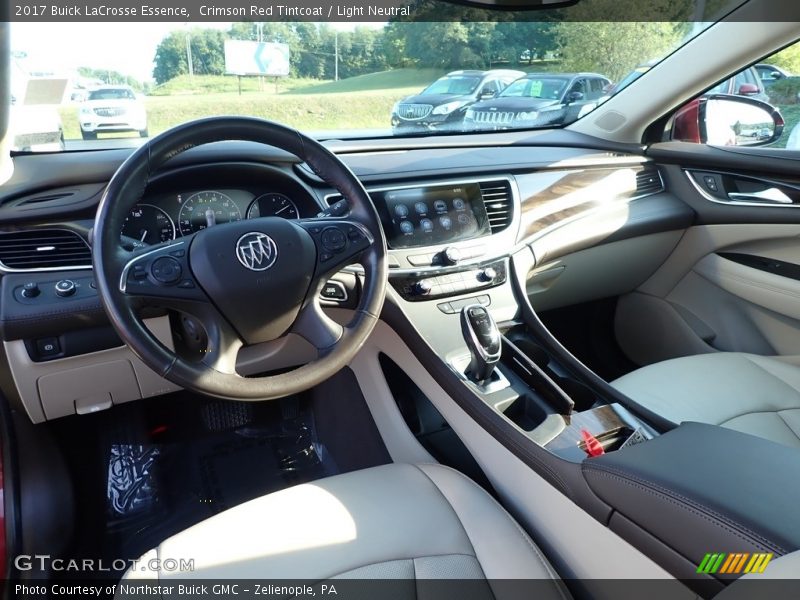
579	87
503	84
491	86
742	78
595	88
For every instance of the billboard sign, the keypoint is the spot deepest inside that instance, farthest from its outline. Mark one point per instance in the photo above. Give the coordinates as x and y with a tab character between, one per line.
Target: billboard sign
256	58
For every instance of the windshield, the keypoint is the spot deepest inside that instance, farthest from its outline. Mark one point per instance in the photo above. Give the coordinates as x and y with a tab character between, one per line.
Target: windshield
111	94
550	88
458	86
335	78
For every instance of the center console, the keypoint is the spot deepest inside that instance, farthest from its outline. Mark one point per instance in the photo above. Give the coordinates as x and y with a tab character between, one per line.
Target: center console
540	396
450	244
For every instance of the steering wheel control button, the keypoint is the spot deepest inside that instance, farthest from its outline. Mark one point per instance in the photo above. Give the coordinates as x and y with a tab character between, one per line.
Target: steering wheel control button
31	290
139	272
334	290
178	253
354	234
66	288
166	270
333	239
186	284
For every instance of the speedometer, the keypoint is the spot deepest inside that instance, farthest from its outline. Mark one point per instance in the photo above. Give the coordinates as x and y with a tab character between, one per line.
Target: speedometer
148	224
205	209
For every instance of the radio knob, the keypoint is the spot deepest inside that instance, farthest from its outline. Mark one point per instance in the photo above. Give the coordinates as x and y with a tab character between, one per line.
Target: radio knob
451	256
488	274
421	288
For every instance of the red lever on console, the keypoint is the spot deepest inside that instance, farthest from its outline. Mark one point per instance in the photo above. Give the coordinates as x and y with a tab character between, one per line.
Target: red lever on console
593	447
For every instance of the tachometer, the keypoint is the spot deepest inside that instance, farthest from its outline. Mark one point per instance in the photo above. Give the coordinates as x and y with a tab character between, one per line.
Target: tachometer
273	205
205	209
148	224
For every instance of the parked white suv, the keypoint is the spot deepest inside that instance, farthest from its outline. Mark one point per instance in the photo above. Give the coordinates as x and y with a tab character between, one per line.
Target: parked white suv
112	109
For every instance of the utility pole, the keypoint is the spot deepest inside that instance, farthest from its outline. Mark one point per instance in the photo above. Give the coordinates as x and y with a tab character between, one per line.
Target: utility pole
336	55
189	51
260	34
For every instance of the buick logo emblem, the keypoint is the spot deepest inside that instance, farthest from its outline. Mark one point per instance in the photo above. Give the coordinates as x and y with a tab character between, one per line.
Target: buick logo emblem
256	251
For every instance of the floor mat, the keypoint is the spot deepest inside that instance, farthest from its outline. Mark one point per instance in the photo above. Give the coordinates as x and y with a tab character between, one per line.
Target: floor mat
147	470
180	475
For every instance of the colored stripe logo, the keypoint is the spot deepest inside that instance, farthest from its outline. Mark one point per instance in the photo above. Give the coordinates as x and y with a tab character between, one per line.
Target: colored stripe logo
734	563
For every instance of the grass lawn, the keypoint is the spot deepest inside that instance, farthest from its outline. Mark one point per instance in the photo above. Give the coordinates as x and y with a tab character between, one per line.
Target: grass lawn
791	114
358	102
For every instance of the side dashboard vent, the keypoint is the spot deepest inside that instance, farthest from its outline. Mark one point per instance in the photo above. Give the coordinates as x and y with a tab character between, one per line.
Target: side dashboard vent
648	181
44	249
499	203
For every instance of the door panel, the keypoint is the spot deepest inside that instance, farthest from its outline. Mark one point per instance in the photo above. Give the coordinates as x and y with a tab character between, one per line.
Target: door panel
732	283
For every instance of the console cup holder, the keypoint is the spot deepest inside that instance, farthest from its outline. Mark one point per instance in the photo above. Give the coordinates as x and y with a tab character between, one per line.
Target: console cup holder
525	412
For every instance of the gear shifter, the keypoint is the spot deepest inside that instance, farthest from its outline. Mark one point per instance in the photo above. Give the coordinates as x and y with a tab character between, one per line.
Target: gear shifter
483	340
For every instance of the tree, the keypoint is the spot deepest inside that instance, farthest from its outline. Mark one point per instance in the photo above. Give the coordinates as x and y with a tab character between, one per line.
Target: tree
515	39
788	59
613	48
208	54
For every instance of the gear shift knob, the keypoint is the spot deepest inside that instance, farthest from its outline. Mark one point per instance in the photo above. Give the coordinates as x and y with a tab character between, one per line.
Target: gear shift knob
483	340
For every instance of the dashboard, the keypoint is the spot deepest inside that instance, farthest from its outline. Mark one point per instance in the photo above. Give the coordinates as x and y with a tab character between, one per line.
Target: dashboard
161	218
184	201
452	217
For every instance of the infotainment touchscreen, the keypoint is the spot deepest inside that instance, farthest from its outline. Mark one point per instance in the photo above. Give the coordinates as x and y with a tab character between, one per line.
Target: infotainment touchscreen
426	216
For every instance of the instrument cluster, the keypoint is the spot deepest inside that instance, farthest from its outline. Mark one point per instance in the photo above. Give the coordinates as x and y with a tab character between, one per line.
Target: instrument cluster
168	216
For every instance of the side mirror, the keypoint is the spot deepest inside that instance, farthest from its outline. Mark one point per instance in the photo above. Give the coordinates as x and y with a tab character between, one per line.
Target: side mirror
725	120
486	94
747	89
574	97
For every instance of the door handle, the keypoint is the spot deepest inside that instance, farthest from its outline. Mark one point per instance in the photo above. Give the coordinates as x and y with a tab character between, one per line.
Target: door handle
771	195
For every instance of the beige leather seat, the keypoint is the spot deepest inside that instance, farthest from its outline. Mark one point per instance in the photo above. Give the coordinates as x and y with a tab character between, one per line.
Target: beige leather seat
397	521
746	392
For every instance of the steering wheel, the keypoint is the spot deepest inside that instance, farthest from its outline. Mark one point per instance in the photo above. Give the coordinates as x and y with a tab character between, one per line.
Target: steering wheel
246	282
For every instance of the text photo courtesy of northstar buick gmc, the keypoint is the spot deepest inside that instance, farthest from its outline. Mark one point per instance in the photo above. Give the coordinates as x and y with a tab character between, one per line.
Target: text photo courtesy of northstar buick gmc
255	337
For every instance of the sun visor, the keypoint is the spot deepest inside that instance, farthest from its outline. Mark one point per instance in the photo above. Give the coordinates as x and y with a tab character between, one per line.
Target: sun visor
44	90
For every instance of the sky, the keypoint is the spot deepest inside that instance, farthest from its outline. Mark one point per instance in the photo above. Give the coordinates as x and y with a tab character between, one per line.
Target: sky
125	47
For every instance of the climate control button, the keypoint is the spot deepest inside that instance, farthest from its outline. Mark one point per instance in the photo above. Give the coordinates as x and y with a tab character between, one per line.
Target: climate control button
450	256
422	287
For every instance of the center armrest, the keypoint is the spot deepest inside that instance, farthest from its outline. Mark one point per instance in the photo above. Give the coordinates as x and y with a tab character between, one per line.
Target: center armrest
700	489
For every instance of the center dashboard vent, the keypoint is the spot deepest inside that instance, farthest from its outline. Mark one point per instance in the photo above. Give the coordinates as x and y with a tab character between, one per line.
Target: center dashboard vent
498	202
44	249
